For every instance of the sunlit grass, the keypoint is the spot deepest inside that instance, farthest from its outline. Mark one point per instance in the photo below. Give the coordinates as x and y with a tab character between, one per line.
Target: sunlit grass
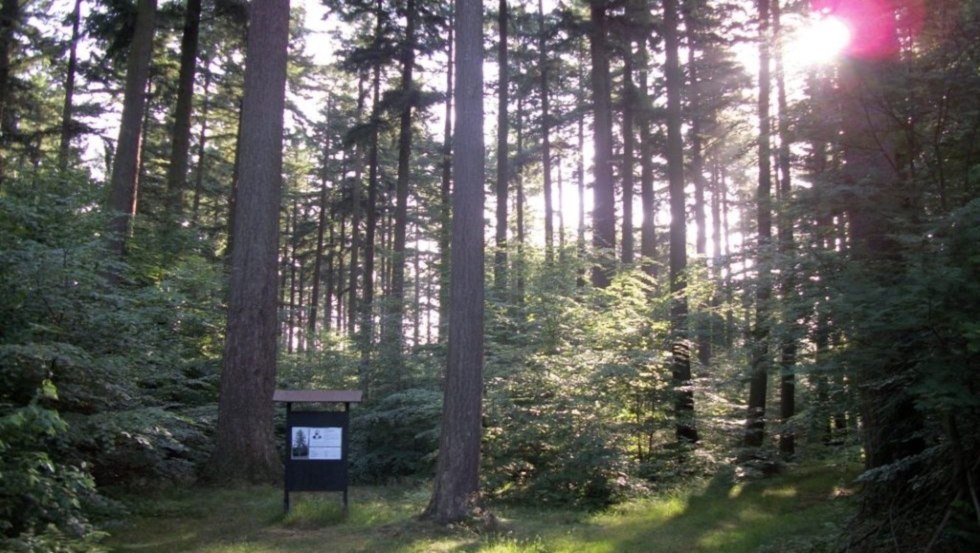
717	516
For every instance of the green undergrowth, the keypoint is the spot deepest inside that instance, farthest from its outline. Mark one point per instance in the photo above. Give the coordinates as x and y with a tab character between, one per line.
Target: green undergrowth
802	511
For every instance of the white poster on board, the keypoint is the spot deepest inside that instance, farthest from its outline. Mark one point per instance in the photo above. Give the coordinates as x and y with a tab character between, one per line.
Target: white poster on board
316	443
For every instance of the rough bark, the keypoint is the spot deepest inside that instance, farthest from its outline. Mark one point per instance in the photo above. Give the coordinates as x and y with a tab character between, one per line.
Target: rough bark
125	165
457	481
245	449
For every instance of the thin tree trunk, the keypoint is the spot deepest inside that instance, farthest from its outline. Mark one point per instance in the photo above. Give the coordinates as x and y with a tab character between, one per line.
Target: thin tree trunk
445	199
64	147
758	383
500	252
787	250
180	147
367	299
321	223
629	140
355	224
680	347
202	142
549	230
394	339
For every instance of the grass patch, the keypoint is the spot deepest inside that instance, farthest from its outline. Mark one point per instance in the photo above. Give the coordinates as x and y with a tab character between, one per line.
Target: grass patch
796	512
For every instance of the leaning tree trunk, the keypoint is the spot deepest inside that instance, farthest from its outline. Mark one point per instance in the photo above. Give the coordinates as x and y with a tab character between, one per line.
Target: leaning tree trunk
125	164
457	479
245	449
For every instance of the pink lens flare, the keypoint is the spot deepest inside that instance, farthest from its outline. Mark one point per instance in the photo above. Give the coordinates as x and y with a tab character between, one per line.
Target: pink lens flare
875	25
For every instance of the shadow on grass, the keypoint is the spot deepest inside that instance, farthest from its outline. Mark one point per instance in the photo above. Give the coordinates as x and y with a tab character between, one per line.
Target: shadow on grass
728	517
723	517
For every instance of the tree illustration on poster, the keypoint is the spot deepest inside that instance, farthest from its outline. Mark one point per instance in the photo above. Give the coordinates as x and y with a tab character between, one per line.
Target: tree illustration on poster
316	441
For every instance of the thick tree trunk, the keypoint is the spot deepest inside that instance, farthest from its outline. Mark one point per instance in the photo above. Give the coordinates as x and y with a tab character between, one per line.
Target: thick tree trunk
126	163
457	481
180	147
503	171
759	379
245	448
604	214
680	347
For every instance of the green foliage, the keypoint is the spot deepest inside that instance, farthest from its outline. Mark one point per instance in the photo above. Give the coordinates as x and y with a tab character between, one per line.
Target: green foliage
576	380
41	499
133	365
396	436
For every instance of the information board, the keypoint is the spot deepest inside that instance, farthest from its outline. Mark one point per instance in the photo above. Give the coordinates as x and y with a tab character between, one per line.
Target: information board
316	442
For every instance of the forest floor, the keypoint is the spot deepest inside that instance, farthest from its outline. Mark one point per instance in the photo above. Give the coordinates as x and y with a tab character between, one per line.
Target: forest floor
800	511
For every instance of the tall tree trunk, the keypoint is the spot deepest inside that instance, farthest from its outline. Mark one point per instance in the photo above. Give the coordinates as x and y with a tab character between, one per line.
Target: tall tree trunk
321	223
758	383
580	166
125	164
604	214
367	299
680	348
202	138
245	448
629	141
691	14
10	16
549	228
787	251
355	219
64	147
500	253
394	328
445	190
520	267
457	479
648	232
180	147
